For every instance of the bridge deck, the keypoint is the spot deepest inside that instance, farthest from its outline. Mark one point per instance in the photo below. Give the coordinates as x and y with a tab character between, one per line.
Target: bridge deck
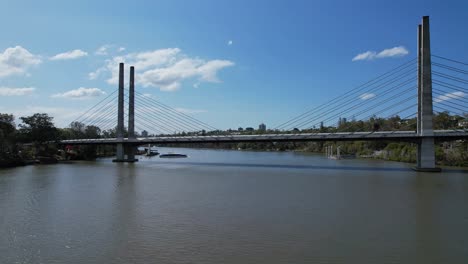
342	136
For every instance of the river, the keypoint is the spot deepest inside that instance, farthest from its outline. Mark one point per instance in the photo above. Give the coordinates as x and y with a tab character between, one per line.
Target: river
233	207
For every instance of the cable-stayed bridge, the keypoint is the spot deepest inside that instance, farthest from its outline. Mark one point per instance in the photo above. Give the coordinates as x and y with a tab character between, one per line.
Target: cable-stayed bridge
407	95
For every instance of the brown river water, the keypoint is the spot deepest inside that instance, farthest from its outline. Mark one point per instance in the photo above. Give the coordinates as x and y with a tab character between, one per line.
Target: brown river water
233	207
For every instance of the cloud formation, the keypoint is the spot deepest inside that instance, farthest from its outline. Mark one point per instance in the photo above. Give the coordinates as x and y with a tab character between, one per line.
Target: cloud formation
230	42
7	91
102	50
70	55
80	93
366	96
449	96
16	61
165	69
386	53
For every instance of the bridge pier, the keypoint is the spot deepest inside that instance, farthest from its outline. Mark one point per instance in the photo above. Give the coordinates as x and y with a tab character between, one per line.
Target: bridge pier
120	152
426	148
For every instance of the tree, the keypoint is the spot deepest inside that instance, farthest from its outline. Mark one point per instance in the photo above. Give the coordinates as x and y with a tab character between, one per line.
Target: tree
7	132
38	128
92	132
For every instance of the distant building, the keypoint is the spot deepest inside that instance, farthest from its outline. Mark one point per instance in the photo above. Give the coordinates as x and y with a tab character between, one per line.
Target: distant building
321	125
463	123
249	129
262	127
341	121
144	133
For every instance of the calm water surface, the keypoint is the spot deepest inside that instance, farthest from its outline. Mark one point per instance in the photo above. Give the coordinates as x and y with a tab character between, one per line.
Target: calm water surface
233	207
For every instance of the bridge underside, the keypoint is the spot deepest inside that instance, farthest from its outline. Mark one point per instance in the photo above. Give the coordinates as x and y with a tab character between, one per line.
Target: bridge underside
403	136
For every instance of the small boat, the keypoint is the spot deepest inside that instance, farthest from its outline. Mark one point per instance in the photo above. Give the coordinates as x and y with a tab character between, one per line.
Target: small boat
172	155
151	153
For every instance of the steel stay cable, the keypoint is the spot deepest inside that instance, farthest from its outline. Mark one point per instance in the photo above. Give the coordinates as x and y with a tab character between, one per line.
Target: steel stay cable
387	108
354	107
412	97
335	106
96	112
449	68
451	106
345	104
149	124
453	78
104	114
166	118
380	103
175	111
169	130
452	60
94	106
354	90
450	97
449	85
407	99
190	126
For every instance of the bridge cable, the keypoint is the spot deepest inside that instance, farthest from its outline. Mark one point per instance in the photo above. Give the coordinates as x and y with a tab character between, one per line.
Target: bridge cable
94	106
452	60
354	90
353	107
351	100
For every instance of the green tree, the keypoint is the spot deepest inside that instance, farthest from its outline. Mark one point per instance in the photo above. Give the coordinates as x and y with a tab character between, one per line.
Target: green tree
7	132
38	129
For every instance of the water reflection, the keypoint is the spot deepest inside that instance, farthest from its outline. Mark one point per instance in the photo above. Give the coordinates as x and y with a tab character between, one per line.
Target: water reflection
233	207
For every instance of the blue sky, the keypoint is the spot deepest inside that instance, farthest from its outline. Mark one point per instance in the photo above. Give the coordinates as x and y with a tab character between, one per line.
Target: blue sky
228	63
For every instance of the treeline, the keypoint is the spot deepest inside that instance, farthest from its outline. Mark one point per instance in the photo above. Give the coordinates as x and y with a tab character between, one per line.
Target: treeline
35	135
447	153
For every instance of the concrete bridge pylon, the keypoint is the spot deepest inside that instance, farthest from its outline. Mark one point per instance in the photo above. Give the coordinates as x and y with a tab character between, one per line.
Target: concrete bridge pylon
122	145
425	160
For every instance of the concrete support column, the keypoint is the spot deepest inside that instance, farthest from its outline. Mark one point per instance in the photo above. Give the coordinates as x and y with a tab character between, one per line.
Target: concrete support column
418	121
120	116
131	114
426	148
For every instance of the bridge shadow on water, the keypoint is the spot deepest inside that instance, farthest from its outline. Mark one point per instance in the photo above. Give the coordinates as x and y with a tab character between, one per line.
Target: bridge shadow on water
307	167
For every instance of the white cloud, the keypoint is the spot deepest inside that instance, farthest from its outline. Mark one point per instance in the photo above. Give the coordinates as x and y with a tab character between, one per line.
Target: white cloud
393	52
102	50
386	53
95	74
17	60
80	93
70	55
230	43
121	49
449	96
6	91
368	55
366	96
190	111
165	69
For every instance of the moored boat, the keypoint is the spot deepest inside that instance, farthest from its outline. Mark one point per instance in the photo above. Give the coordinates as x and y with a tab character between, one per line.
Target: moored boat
173	155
